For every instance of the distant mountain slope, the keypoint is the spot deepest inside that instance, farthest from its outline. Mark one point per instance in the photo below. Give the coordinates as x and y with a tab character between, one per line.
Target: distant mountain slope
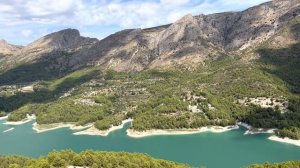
68	41
190	40
44	58
8	49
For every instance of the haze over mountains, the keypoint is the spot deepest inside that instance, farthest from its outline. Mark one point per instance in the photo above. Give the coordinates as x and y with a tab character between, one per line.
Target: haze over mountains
188	42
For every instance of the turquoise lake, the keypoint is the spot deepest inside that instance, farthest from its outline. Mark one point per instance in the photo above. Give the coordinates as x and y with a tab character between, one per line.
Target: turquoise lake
229	150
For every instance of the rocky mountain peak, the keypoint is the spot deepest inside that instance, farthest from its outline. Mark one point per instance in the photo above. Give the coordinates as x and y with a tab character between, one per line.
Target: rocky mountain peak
8	49
56	44
64	39
185	19
2	41
67	32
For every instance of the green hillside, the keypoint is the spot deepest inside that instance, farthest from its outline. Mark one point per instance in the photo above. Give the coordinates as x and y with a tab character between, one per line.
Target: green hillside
89	159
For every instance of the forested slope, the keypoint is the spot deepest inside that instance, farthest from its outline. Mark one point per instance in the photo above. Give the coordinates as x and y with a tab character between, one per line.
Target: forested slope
88	159
289	164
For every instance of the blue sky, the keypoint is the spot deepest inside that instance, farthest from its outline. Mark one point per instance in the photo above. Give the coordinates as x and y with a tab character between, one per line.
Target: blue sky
23	21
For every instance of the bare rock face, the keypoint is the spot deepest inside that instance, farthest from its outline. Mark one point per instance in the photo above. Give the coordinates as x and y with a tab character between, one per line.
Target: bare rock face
51	52
128	50
191	40
68	39
8	49
259	23
65	41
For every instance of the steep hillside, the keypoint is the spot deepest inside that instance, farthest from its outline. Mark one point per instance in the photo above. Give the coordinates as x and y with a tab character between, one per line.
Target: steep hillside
187	43
191	40
282	53
44	58
68	40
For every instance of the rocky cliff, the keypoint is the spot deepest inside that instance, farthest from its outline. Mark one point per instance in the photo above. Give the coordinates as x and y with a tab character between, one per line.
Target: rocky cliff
66	41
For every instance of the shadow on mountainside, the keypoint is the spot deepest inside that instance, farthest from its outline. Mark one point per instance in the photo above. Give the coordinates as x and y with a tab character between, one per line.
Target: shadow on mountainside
42	95
284	62
50	66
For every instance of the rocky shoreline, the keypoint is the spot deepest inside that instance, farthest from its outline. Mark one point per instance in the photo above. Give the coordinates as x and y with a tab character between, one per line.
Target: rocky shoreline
48	127
94	131
214	129
26	120
284	140
89	129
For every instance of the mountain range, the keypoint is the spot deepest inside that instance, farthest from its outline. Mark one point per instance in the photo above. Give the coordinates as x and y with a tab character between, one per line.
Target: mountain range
187	43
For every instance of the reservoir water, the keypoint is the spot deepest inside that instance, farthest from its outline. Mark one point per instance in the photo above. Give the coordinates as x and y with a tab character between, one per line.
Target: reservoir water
230	149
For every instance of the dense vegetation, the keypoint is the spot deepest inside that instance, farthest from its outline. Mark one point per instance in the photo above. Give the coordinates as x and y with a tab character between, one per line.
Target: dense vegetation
96	159
38	70
270	118
291	132
289	164
2	114
87	159
155	98
106	122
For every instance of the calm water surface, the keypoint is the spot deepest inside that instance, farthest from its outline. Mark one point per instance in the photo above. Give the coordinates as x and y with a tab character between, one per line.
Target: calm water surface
229	150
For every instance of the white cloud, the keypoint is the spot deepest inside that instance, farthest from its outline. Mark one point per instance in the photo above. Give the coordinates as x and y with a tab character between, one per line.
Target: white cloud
241	2
48	7
26	33
173	3
125	13
5	8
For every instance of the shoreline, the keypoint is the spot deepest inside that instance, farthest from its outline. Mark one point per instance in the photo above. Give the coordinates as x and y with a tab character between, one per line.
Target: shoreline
49	127
3	118
252	131
213	129
94	131
260	131
245	125
26	120
89	129
284	140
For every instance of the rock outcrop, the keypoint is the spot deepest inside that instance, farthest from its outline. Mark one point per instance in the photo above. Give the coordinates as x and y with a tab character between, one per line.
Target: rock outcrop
8	49
64	41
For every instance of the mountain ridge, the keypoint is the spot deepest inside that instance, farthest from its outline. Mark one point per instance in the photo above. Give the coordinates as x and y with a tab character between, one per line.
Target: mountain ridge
8	49
188	42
